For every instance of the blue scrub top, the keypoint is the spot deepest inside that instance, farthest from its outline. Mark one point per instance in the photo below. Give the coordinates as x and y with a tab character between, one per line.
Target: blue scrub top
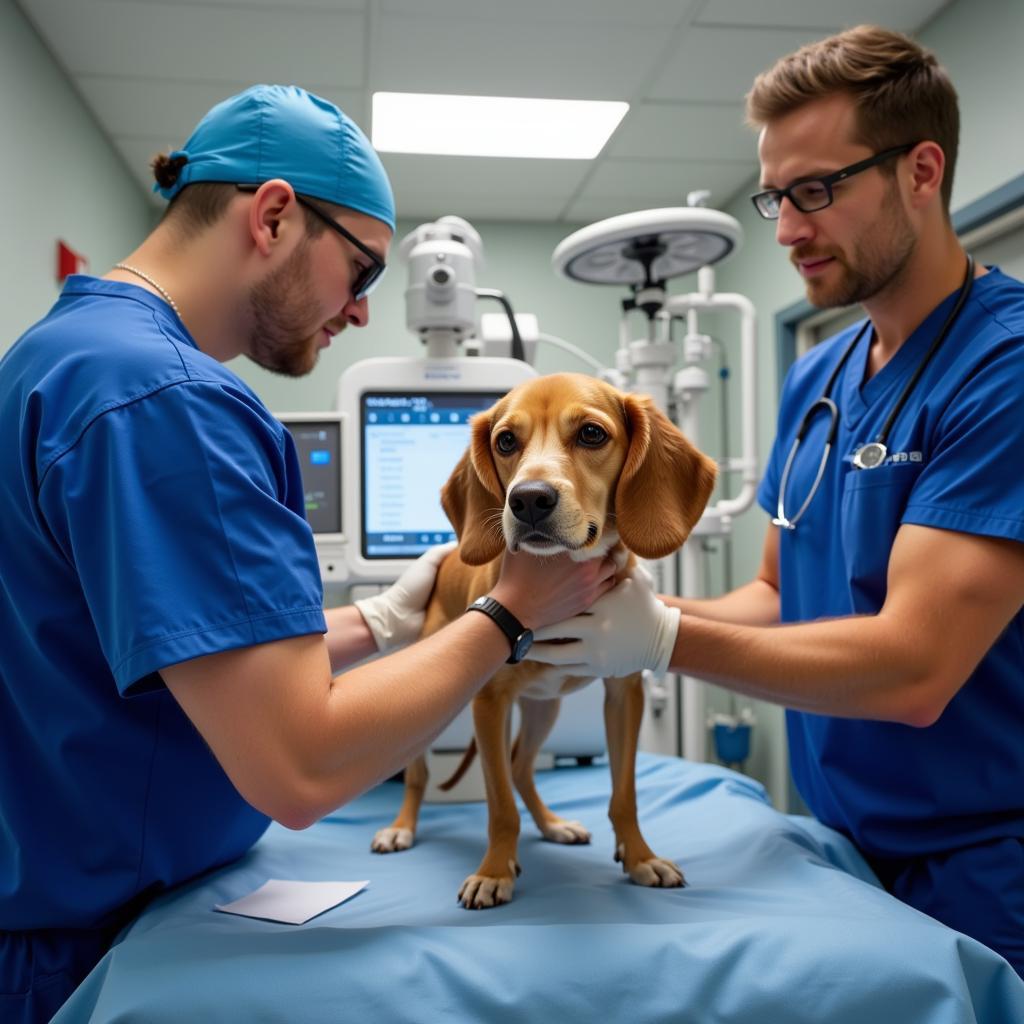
956	463
152	512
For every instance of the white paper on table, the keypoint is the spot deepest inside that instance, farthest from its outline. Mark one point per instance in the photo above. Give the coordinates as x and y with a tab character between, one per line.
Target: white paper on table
292	902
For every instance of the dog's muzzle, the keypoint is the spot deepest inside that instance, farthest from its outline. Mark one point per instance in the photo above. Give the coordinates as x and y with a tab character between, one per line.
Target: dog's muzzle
532	501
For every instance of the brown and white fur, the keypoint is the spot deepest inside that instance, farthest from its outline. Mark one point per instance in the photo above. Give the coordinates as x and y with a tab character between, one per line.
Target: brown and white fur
561	463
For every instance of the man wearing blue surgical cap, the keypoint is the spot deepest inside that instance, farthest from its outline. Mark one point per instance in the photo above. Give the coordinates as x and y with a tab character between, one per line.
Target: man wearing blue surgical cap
166	667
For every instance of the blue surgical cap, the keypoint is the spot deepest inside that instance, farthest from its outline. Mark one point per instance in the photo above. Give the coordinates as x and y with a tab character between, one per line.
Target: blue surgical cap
282	131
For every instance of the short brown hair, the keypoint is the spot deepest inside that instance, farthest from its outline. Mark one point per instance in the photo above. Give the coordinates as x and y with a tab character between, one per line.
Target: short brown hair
202	204
901	92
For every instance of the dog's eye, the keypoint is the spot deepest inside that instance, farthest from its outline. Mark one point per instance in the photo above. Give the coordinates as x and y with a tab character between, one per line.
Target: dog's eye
505	442
592	436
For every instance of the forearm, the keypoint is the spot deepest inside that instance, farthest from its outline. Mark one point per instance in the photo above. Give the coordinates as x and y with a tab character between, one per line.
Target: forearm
378	716
297	741
349	639
949	597
855	667
754	604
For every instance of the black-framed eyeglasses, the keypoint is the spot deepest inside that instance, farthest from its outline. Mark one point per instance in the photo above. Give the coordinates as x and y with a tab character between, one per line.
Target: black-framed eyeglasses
809	195
367	278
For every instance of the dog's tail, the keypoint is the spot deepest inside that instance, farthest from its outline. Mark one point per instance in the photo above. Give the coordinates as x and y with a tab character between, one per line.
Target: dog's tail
467	760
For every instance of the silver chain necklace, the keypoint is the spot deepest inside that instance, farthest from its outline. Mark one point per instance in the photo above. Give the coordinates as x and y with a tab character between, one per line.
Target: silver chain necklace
148	279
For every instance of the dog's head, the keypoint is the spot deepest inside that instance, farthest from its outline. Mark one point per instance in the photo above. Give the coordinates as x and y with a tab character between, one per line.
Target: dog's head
569	463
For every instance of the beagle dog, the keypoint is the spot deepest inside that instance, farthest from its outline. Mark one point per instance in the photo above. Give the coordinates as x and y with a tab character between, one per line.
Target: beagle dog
561	463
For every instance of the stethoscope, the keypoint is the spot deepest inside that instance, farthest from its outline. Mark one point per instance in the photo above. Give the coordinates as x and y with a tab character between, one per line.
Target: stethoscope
874	453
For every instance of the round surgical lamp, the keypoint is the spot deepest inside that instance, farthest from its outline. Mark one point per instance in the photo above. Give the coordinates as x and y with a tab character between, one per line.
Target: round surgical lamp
647	248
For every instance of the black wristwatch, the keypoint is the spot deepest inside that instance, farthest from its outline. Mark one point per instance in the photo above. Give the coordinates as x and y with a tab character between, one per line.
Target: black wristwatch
519	637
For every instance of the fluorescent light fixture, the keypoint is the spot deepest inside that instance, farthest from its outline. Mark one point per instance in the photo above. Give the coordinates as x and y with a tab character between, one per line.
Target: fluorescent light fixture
406	122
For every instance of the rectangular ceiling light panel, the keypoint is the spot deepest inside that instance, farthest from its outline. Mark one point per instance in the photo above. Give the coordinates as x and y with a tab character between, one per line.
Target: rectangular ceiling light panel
493	125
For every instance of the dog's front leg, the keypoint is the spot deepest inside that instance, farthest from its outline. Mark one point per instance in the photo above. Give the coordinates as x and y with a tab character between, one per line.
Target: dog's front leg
495	878
401	833
623	710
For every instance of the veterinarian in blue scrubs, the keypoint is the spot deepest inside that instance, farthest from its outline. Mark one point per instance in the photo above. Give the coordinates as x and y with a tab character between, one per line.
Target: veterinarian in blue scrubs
899	573
165	681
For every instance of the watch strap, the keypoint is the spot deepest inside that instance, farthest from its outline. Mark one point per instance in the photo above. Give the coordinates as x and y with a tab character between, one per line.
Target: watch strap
505	621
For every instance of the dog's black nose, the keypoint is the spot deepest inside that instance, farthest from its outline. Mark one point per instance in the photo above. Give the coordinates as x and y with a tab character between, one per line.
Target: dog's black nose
532	501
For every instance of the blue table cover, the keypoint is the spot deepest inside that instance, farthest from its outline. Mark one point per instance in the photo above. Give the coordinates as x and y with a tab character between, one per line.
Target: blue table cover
781	923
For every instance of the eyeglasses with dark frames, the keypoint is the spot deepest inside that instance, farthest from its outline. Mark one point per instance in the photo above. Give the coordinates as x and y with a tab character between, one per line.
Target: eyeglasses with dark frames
809	195
367	278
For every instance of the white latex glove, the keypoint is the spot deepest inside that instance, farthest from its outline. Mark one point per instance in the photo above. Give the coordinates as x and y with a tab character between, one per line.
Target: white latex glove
395	616
625	631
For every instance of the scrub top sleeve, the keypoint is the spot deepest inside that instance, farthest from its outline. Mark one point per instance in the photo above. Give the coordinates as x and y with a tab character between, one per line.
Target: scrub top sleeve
183	516
973	481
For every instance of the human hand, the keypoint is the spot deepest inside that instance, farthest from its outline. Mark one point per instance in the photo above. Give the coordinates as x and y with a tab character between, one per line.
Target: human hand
395	616
627	630
542	590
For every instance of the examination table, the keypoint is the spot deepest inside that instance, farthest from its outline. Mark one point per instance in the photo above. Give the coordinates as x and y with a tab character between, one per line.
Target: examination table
781	923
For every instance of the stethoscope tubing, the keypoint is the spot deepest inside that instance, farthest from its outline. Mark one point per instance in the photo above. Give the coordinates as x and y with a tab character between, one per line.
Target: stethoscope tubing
878	449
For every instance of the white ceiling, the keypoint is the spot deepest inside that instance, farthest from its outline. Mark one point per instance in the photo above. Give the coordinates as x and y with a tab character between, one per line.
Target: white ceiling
149	69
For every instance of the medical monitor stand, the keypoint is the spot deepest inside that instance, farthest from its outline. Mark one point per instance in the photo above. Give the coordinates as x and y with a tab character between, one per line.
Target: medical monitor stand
405	421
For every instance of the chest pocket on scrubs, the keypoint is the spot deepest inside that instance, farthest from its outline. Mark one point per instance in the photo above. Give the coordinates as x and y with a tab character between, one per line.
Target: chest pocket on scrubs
872	509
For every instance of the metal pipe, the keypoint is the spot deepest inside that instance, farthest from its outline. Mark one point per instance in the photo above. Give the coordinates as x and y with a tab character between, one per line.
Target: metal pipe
678	305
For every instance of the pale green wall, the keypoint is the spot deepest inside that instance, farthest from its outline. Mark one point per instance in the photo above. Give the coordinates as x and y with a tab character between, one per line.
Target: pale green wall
979	42
59	178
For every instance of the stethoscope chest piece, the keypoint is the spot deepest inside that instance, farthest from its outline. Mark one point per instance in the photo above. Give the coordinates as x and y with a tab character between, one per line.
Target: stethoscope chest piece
870	455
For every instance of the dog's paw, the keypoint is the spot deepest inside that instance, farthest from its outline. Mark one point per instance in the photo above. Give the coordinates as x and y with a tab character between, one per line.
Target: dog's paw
479	892
569	832
391	840
657	873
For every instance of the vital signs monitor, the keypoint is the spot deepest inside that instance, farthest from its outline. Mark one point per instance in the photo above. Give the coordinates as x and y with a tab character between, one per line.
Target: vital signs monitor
406	427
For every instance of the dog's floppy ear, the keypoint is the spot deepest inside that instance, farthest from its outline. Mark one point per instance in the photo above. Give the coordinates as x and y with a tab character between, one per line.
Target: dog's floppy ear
473	498
664	484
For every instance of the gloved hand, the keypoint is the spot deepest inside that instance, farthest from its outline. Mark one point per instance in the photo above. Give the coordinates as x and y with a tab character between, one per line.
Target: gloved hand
395	616
625	631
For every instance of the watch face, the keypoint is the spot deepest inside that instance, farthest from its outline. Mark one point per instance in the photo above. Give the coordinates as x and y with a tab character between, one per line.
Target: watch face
522	644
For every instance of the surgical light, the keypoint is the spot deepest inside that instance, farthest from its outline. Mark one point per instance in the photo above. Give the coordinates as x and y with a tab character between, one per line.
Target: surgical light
495	126
647	247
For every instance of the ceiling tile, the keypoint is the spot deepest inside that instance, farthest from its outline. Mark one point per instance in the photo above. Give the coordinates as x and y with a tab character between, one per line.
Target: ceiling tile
454	181
431	186
351	6
622	186
680	131
428	204
202	44
667	182
576	12
170	110
827	15
719	64
572	61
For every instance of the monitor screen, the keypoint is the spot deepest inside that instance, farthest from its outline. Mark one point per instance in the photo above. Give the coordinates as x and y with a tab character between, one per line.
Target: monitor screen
411	442
319	446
